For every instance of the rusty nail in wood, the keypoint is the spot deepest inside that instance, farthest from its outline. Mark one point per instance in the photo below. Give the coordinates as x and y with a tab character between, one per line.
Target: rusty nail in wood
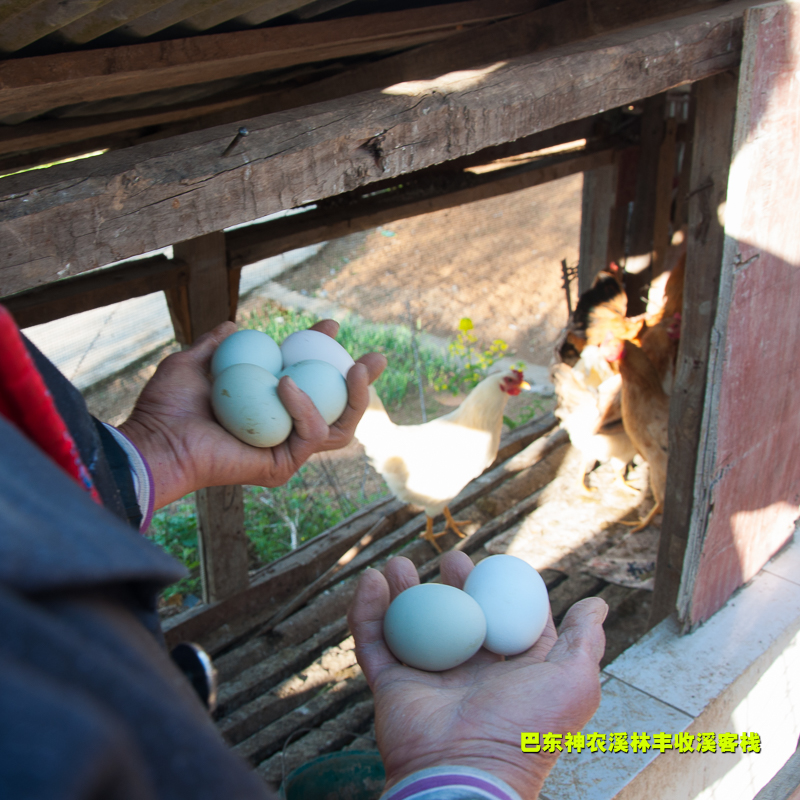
241	133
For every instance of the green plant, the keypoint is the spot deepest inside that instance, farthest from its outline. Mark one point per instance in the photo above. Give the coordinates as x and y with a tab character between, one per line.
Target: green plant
275	520
468	365
359	338
174	527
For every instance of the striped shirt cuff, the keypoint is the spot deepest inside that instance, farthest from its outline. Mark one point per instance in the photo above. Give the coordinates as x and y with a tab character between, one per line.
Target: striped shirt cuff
142	477
451	783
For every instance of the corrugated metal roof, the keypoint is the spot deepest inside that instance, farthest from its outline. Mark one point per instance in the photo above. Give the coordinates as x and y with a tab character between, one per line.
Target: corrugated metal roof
83	75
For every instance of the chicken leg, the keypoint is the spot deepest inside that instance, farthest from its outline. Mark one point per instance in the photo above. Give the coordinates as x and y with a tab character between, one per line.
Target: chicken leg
450	524
641	524
622	475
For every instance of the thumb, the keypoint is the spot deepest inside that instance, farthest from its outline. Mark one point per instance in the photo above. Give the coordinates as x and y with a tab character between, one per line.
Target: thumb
365	618
204	346
581	634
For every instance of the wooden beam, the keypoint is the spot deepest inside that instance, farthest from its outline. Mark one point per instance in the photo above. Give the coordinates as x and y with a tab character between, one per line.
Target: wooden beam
40	83
200	305
222	542
715	104
539	29
95	290
527	33
248	245
746	501
639	252
662	213
597	201
245	246
89	213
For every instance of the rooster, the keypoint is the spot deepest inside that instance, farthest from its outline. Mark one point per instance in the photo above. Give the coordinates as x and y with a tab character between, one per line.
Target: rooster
645	414
429	464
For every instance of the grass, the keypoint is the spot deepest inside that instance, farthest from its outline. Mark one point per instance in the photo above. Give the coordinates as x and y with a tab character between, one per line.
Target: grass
394	341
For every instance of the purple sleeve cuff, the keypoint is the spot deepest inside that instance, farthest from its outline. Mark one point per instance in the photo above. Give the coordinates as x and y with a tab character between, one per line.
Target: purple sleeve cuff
451	783
142	477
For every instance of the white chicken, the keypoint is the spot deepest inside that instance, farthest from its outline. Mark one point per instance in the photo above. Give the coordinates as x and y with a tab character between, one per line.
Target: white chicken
591	415
429	464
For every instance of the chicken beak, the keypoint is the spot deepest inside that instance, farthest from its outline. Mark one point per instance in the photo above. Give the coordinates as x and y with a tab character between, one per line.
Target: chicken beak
525	386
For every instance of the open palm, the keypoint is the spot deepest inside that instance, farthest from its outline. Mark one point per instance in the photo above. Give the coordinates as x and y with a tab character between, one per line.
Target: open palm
174	426
473	715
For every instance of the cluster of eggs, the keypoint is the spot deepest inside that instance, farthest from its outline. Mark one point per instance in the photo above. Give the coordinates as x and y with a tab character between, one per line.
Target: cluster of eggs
503	607
247	367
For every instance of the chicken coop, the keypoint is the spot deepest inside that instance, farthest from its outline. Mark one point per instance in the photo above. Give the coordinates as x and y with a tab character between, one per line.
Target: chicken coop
180	153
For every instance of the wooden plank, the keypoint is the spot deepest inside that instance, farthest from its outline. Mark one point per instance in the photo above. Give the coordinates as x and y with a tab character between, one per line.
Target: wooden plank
275	697
746	491
96	289
246	246
638	263
249	245
222	541
128	202
196	307
597	201
277	581
331	736
574	588
662	213
40	83
271	739
256	680
715	103
541	28
46	141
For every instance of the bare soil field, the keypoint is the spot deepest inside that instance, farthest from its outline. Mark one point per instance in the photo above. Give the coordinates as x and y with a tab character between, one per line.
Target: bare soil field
496	261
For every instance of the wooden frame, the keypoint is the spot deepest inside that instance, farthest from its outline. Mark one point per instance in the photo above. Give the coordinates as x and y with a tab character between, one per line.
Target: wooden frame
185	190
123	202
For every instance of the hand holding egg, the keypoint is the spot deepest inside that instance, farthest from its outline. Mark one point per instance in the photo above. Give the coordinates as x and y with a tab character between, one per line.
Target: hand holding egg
247	367
473	715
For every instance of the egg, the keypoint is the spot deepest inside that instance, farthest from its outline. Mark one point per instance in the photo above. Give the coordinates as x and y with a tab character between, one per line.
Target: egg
514	601
434	627
247	347
323	383
246	403
306	345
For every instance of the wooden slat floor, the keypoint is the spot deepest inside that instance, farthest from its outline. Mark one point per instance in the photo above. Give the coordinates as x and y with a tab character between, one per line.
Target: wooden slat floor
296	691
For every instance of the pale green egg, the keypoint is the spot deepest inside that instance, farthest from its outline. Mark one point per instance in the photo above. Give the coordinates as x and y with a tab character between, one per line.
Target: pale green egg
434	627
246	403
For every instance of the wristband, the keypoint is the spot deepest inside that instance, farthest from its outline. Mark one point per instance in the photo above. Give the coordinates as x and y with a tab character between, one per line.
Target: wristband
451	783
142	477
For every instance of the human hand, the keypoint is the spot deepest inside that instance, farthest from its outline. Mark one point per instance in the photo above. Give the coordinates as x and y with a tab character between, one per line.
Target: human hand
473	715
174	426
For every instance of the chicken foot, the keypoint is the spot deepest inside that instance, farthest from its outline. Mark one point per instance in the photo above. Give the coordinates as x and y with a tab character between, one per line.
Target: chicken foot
622	475
450	524
641	524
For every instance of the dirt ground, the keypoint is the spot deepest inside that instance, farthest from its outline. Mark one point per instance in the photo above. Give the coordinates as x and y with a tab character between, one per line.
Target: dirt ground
496	261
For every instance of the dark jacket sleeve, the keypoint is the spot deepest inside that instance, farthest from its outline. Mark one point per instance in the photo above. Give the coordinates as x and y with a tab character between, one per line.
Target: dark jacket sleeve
99	451
90	702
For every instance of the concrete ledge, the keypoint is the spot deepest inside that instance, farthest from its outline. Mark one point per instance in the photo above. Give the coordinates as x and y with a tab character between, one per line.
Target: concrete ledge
736	673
